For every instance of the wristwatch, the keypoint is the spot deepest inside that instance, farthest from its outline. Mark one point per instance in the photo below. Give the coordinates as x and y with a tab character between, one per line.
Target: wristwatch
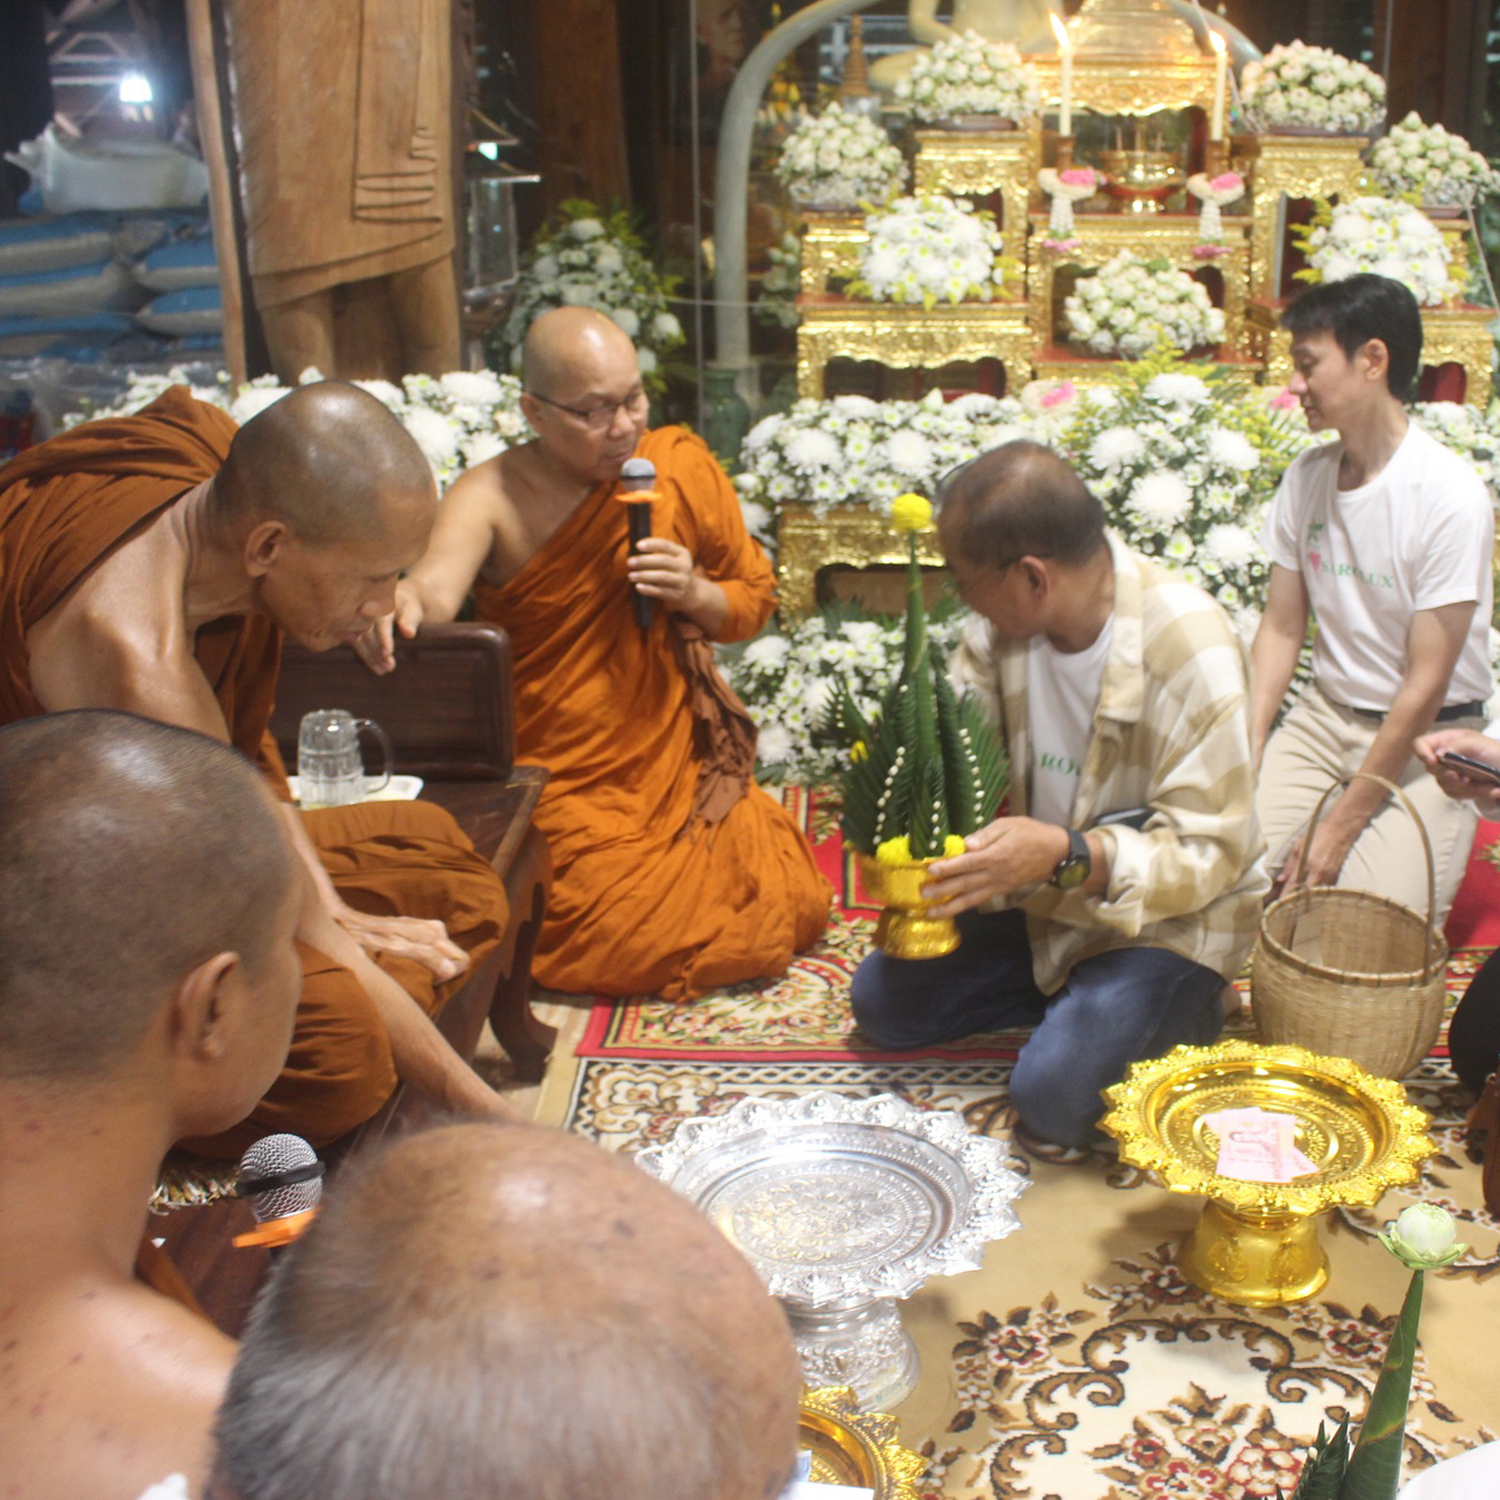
1074	867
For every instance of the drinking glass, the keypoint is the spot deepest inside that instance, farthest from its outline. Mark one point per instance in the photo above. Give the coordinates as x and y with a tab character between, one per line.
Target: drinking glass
330	769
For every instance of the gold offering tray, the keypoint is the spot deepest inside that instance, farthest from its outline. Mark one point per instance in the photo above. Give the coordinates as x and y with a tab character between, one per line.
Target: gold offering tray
1257	1241
858	1449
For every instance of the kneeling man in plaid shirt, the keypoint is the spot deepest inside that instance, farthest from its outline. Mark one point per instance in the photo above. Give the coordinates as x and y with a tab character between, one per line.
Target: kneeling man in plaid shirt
1120	893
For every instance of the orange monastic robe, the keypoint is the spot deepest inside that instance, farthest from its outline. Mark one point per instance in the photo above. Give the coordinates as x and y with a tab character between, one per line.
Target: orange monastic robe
675	872
64	507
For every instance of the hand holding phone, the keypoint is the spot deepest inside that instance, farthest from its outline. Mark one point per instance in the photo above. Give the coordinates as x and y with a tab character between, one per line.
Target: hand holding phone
1466	765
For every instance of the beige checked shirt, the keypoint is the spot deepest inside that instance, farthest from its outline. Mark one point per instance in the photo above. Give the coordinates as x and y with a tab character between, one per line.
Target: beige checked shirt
1171	734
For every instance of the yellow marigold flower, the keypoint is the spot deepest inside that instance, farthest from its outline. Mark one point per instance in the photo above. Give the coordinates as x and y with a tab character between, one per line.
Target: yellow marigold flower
894	851
859	751
952	845
911	512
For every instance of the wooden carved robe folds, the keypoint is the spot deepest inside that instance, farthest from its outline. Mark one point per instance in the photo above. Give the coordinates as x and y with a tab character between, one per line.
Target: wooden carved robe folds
341	120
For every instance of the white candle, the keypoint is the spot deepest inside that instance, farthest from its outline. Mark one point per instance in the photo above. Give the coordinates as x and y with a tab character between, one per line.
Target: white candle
1221	69
1065	53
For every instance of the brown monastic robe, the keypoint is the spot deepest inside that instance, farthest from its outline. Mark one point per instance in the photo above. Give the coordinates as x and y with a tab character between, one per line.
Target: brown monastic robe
64	507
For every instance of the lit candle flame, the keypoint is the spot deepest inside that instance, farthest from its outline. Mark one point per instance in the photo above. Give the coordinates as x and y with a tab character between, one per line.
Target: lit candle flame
1215	40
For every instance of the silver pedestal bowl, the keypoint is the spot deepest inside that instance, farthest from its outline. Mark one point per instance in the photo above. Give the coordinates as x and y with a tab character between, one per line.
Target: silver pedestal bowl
845	1206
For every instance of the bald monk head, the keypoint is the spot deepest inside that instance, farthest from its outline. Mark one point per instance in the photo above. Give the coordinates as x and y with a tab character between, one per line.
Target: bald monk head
492	1313
148	982
584	397
327	499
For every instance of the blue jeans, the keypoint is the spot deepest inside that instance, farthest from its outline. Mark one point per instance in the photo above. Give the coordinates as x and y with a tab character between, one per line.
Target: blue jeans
1115	1009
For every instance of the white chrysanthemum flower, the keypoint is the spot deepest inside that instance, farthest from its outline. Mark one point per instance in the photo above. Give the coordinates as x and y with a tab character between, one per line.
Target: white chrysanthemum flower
757	519
435	434
856	406
480	387
627	321
775	744
665	328
1177	389
1232	545
909	453
811	449
482	447
1231	449
253	400
585	229
1116	447
384	392
646	360
1161	500
767	653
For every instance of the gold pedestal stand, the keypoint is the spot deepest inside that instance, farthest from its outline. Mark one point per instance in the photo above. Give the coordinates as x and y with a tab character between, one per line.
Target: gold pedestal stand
1098	238
1291	166
972	163
905	929
831	243
1257	1242
854	536
910	337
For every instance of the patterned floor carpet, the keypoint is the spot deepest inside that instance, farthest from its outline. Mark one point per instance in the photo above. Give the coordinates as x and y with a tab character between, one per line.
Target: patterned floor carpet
1077	1363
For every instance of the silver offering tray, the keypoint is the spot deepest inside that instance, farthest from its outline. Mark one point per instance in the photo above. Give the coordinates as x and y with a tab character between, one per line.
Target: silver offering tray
844	1206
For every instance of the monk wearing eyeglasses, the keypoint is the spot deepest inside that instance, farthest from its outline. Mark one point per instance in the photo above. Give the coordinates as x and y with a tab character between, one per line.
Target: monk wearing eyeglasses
675	873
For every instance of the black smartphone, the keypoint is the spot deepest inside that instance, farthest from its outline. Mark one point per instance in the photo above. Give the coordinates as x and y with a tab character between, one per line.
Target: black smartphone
1466	765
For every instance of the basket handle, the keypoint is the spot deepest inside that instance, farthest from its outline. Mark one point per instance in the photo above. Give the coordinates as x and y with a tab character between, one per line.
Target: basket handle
1395	791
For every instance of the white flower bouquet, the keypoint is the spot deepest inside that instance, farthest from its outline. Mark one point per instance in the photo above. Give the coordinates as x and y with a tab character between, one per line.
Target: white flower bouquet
791	676
1131	305
1300	88
965	74
1383	235
928	250
1469	432
839	160
1444	170
458	420
853	451
1185	470
599	261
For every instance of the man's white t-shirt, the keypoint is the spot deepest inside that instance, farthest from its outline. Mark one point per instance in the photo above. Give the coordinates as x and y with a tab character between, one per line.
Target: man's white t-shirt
1417	536
1062	692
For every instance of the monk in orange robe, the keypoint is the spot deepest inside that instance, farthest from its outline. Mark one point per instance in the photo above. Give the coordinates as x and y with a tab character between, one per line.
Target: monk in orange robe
152	563
675	873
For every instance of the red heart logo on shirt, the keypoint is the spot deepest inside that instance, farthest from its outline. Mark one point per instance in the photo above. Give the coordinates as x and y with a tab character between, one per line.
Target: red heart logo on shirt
1316	559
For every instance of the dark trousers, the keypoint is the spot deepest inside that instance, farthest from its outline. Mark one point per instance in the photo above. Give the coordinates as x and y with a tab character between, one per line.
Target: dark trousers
1114	1010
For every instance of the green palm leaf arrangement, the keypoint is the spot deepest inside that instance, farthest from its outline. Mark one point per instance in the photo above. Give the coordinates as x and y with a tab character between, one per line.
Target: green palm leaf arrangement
927	768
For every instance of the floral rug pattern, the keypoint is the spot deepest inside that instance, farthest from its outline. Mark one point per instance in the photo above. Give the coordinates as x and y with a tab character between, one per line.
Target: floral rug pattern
1077	1364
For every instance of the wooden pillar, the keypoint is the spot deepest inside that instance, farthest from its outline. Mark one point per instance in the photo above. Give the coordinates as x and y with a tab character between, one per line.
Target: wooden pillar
1437	61
580	120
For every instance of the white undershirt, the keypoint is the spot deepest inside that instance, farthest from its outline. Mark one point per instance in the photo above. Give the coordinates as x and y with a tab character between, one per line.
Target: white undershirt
1062	692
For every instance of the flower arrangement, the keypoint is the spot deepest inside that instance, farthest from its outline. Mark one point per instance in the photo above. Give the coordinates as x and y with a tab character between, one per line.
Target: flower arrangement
1297	87
1383	235
790	676
1423	1239
1443	170
926	769
1469	432
458	420
1185	470
928	250
1131	304
839	159
854	451
595	260
1065	188
1215	194
968	75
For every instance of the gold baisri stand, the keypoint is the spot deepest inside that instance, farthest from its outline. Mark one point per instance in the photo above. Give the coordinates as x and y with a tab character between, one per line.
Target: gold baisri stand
1257	1242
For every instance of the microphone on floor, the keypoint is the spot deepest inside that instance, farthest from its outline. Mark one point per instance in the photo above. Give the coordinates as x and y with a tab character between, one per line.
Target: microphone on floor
281	1178
637	491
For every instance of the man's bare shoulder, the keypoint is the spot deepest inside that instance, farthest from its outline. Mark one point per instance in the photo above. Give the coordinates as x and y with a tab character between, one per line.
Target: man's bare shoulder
112	1389
490	488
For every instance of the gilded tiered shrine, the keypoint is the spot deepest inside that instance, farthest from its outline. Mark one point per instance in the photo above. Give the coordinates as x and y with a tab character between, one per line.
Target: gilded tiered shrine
1131	61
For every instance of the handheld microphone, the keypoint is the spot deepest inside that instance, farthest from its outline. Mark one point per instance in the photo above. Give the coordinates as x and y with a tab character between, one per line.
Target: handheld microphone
281	1178
637	491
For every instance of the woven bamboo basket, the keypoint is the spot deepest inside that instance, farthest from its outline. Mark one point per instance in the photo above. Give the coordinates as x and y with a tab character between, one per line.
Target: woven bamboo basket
1349	973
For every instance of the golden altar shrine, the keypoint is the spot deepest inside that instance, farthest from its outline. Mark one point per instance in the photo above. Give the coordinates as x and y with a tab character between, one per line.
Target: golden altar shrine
975	163
852	536
1131	59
